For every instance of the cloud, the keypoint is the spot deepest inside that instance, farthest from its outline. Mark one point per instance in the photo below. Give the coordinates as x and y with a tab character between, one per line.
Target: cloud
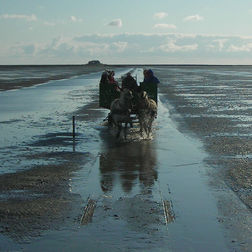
134	48
160	15
115	22
165	26
49	23
28	18
240	48
193	18
218	44
71	19
120	46
29	49
86	46
171	46
75	19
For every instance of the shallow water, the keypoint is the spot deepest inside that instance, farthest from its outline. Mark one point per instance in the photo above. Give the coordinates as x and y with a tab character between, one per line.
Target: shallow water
129	180
30	113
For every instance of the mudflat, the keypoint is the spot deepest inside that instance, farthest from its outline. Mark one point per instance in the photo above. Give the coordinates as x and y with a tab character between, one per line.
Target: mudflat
218	113
127	179
43	74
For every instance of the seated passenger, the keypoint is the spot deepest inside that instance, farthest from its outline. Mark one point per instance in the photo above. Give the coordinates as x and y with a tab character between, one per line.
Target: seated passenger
111	77
112	80
145	74
150	78
104	78
130	83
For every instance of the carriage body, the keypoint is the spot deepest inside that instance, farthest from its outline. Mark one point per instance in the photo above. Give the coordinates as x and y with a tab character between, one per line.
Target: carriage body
151	90
131	107
108	93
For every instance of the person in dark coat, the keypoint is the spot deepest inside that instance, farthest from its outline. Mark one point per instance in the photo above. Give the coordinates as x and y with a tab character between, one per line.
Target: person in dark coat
104	78
145	74
150	78
130	83
111	77
112	80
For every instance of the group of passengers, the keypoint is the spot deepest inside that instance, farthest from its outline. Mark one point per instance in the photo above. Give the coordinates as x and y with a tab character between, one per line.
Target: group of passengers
128	81
108	78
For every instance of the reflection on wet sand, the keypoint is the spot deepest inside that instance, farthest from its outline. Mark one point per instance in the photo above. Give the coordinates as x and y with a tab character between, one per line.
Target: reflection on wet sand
133	165
133	162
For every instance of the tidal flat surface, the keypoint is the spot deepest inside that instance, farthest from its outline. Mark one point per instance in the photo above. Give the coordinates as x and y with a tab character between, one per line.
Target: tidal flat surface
159	194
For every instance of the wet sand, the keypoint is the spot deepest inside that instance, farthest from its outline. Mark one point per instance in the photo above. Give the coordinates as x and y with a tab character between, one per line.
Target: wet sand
47	73
226	135
220	117
38	199
131	182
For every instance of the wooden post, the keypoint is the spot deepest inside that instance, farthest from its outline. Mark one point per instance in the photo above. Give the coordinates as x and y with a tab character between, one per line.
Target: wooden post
73	126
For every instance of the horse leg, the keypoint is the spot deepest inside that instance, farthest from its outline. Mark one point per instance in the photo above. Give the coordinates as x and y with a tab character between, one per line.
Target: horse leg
119	126
140	119
151	119
141	130
141	127
110	120
148	130
125	131
145	125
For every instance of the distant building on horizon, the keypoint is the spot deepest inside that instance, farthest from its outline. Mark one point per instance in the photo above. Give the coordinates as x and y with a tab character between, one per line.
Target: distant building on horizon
94	62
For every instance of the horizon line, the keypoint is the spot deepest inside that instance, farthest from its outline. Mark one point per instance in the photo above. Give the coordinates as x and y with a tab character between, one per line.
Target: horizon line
129	64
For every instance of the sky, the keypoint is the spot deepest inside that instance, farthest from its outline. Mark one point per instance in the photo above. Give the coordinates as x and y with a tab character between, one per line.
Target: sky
125	31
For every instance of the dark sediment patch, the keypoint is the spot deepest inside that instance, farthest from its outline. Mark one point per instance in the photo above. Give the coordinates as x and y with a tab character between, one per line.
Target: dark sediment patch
11	121
237	174
59	155
54	139
206	126
42	74
229	145
38	179
22	219
40	198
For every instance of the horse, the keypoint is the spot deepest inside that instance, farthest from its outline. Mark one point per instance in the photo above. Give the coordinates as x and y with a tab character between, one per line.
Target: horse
120	110
147	112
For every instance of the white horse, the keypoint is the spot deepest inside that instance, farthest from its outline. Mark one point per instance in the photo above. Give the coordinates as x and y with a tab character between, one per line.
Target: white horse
120	110
147	112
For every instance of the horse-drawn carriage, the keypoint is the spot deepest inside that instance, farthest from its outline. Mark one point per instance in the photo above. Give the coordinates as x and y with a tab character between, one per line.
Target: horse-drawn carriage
109	94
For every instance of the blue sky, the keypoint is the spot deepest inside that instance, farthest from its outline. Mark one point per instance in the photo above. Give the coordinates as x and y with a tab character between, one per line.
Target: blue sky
126	31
